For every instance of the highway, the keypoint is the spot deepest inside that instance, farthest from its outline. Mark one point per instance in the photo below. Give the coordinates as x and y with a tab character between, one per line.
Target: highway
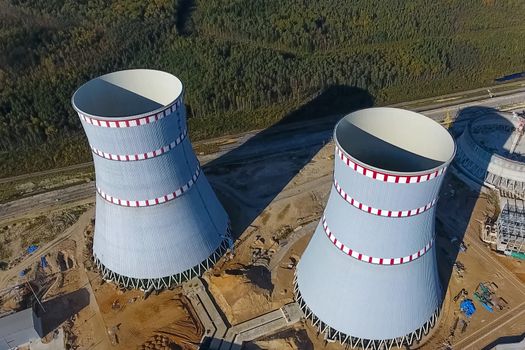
39	203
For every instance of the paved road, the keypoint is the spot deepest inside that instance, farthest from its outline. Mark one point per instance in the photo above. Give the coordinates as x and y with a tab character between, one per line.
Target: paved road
474	94
434	107
439	113
320	128
45	201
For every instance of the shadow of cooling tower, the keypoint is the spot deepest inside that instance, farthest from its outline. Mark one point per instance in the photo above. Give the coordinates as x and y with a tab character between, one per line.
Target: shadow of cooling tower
301	134
455	213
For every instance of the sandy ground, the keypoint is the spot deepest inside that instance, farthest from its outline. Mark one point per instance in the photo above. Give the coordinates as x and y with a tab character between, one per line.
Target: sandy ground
133	322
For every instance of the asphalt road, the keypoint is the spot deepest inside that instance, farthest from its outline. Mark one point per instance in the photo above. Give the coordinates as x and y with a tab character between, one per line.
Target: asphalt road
301	135
44	202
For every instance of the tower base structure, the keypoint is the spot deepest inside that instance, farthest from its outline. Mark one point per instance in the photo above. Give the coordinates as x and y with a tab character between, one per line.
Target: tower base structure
369	276
334	335
158	220
165	282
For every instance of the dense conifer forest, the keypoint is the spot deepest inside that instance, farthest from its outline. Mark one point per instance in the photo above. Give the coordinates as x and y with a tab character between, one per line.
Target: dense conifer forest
245	64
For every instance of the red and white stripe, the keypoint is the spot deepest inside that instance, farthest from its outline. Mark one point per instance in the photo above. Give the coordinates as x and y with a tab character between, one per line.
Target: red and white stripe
127	123
382	212
373	174
150	202
141	156
371	259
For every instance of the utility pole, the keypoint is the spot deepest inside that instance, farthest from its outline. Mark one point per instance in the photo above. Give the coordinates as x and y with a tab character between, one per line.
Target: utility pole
36	297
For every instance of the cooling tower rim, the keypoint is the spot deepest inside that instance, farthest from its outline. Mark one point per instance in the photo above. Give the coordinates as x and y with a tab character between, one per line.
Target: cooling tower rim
154	75
447	139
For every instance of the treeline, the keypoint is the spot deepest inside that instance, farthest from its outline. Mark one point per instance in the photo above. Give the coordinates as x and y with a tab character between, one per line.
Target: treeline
244	63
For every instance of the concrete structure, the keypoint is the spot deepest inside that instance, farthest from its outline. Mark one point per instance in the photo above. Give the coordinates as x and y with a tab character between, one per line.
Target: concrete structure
158	221
510	225
369	274
220	336
491	152
18	329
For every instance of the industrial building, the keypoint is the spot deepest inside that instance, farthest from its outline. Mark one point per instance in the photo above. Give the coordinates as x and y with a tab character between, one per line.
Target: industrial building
158	221
369	275
510	226
19	329
491	152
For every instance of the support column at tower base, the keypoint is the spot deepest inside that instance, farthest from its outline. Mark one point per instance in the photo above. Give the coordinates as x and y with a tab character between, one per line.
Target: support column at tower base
168	281
332	334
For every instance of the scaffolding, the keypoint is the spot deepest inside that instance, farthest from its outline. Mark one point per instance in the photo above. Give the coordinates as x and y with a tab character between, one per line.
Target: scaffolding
511	226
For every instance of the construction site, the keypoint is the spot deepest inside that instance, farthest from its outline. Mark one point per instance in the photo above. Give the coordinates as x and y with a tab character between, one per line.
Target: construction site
491	153
246	299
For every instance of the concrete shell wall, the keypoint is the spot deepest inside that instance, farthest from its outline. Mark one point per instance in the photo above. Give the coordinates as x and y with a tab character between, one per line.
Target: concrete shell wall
155	240
370	300
486	167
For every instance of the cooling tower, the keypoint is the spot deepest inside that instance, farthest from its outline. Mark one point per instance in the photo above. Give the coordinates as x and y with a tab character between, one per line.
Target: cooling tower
369	276
158	221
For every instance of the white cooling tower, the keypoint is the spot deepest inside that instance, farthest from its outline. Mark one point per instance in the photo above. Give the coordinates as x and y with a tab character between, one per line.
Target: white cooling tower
369	275
158	221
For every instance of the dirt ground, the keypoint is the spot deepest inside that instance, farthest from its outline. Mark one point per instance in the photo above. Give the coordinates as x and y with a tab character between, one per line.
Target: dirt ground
242	292
17	236
133	322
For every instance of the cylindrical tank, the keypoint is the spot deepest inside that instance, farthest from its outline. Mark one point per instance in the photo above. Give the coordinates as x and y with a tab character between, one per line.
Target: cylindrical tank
369	274
158	221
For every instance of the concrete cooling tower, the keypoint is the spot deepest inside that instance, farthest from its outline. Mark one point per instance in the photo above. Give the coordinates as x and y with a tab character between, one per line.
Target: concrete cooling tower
369	275
158	221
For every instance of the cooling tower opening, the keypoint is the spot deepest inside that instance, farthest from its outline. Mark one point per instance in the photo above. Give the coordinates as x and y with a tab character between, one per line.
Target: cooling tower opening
127	93
393	139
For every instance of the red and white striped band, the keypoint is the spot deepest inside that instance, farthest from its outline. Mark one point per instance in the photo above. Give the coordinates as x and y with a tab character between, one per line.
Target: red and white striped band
116	123
141	156
370	259
382	212
373	174
150	202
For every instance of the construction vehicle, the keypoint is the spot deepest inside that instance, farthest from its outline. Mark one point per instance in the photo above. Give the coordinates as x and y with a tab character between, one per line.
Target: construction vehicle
484	295
462	292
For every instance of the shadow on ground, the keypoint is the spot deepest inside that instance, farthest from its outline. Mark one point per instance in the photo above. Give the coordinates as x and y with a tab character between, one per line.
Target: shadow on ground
455	208
294	338
258	170
506	340
61	308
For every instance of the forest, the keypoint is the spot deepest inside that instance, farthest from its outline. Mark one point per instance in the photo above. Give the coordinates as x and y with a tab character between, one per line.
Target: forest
245	64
